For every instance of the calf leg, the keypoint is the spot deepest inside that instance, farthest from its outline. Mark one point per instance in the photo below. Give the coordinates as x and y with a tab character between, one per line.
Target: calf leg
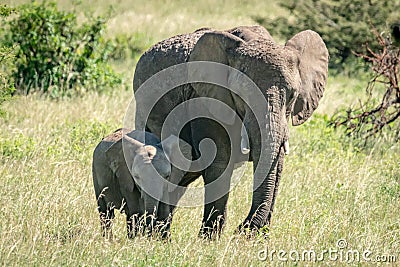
106	211
133	212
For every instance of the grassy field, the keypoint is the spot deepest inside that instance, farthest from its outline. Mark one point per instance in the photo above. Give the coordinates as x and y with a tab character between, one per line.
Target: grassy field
331	190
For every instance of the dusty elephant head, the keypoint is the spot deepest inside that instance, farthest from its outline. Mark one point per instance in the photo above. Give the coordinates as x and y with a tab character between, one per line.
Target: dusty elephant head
300	67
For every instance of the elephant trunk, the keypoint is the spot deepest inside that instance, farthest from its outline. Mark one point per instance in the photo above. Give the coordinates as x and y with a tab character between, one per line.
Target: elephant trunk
268	160
264	196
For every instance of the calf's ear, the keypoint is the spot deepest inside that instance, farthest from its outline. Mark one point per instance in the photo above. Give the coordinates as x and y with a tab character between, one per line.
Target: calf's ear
122	152
115	155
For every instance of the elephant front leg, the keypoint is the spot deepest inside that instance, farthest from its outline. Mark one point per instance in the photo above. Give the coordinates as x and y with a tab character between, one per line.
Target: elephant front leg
164	220
134	211
132	225
217	184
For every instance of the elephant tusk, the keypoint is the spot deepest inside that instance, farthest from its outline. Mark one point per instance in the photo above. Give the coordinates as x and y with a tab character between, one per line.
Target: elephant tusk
245	150
171	187
244	142
286	147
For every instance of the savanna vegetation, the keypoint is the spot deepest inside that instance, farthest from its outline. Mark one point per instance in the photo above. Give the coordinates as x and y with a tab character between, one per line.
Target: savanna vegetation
334	187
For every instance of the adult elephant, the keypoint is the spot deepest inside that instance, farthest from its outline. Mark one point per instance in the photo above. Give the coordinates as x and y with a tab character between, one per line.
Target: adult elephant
290	80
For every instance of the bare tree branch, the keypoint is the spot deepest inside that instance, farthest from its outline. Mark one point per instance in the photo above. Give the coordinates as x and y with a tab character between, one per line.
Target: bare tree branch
367	120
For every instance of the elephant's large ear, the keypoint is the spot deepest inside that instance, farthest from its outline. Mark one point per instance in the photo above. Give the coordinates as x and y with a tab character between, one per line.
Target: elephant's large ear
116	154
214	47
173	146
131	147
118	159
313	70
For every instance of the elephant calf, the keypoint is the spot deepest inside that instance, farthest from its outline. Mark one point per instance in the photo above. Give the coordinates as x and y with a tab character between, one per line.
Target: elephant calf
124	163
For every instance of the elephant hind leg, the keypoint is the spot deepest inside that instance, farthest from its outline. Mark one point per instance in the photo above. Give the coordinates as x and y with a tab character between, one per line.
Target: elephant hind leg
214	218
106	211
217	185
106	194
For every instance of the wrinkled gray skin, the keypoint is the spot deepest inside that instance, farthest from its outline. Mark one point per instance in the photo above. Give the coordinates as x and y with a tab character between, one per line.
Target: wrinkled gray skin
114	185
292	79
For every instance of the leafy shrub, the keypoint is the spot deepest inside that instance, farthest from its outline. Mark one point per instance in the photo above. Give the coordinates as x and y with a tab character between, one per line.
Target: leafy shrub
6	81
129	46
84	135
18	146
55	54
77	138
344	25
6	64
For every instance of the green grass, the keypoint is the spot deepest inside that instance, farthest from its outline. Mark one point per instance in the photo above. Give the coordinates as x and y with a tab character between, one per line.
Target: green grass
48	216
330	189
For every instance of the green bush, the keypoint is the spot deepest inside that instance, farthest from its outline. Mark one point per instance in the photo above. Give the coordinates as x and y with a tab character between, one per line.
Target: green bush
129	46
18	146
6	81
344	25
6	64
56	55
